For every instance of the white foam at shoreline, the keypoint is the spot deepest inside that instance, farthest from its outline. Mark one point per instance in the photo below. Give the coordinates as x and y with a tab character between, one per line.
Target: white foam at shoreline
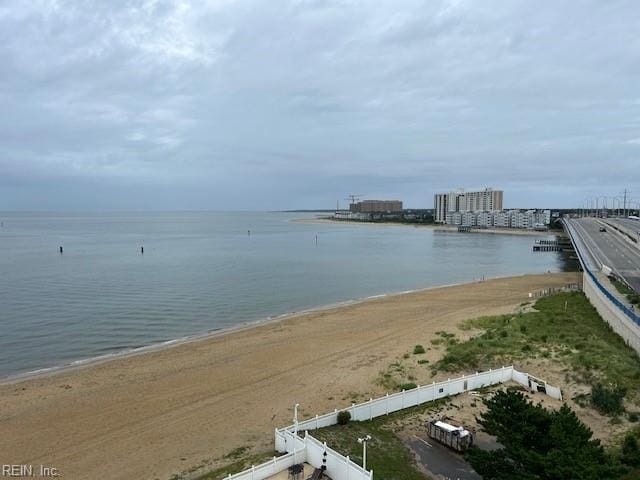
84	362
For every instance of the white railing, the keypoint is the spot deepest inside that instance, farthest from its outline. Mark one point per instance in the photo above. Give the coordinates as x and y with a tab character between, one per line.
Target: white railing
310	450
338	467
272	467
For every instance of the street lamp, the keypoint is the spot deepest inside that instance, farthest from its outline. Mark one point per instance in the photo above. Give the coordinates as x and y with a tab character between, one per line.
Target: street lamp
364	441
295	431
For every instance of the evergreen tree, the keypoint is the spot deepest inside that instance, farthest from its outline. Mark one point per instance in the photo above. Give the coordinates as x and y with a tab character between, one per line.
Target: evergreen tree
539	444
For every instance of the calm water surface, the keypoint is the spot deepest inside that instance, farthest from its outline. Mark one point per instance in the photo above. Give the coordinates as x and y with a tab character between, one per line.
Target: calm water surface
202	272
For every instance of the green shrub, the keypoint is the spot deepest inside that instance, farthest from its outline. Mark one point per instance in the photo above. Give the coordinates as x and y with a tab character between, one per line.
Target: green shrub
418	350
343	417
630	451
633	417
408	386
607	400
422	361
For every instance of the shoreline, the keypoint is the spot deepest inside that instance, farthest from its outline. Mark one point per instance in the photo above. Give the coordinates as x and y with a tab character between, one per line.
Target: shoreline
82	363
435	227
183	410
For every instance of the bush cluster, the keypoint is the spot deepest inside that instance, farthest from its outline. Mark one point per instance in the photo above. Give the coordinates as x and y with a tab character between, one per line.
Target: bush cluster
418	350
608	401
343	417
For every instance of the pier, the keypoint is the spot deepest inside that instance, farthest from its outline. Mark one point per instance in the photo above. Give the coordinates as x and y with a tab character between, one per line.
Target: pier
552	245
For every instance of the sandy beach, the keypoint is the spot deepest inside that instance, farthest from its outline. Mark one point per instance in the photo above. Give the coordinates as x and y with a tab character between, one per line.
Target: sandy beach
167	411
435	227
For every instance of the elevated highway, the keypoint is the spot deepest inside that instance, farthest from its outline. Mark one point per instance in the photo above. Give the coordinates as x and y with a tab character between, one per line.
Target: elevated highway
610	248
603	250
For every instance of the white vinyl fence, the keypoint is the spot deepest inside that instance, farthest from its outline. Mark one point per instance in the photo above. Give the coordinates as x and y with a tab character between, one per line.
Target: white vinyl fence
307	449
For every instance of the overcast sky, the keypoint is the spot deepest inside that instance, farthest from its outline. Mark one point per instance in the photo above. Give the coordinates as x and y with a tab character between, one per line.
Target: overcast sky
275	105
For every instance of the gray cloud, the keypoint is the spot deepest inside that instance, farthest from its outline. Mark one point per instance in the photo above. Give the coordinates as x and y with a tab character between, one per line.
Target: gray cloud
265	105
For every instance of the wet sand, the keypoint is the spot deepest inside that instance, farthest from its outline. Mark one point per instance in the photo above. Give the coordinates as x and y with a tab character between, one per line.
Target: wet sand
167	411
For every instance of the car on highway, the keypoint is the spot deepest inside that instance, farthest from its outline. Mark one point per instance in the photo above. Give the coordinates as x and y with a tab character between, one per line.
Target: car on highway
603	229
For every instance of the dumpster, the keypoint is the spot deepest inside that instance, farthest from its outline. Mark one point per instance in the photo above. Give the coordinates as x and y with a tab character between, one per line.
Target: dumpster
453	436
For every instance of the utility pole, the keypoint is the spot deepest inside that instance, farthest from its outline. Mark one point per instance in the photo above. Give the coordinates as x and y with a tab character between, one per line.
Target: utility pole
624	208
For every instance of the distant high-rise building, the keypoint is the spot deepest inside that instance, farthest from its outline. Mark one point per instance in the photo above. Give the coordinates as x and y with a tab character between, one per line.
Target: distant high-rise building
460	201
376	206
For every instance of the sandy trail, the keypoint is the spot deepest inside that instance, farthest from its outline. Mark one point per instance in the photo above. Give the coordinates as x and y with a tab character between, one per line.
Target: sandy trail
163	412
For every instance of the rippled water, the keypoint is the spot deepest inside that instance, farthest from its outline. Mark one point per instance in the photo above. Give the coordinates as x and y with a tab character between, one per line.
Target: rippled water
202	272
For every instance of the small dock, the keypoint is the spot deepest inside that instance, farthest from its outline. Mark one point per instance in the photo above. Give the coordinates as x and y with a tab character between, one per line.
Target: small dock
547	248
552	245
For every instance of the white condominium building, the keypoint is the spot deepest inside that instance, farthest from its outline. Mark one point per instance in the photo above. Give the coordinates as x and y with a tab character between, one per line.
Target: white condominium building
530	219
461	201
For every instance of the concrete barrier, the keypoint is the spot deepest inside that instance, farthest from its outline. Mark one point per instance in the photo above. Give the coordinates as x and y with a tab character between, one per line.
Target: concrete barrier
621	321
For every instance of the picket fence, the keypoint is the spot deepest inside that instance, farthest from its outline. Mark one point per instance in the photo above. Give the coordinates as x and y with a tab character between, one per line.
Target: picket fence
547	292
306	448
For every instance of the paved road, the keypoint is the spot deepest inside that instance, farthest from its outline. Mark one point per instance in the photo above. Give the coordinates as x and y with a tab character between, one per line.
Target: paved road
631	226
611	249
440	460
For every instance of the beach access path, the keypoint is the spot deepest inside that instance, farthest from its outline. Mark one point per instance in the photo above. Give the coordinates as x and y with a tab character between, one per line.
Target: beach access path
165	412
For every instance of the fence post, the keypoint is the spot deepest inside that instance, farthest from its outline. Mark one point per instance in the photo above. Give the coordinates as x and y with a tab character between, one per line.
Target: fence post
353	411
347	465
402	397
316	422
253	471
370	408
273	466
386	404
418	395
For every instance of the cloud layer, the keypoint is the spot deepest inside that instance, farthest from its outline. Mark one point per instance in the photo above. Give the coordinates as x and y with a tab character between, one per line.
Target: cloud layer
268	104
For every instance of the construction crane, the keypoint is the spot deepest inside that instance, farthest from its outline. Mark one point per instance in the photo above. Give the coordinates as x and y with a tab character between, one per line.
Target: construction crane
354	197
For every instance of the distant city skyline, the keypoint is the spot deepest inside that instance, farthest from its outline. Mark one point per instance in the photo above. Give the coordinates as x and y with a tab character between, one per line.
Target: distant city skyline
178	105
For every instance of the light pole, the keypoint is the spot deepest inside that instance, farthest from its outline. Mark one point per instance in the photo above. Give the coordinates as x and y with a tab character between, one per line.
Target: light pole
619	200
604	205
364	441
295	431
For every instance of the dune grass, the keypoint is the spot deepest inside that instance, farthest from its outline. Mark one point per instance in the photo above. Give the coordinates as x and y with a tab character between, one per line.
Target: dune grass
564	327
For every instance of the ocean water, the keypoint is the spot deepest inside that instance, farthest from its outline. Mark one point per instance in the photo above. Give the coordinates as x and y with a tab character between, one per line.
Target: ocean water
202	272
